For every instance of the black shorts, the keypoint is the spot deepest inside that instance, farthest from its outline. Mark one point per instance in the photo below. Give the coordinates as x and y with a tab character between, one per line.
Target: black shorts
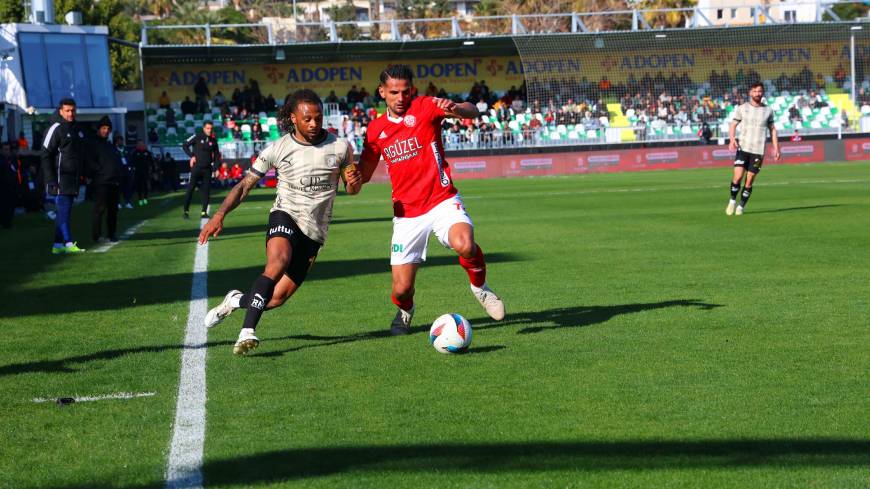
305	249
751	161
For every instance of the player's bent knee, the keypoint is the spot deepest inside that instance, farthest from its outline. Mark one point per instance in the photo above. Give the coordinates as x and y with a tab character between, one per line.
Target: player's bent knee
464	247
403	291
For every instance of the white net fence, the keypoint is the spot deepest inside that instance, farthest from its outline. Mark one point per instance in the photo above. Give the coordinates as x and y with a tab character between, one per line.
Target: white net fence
683	84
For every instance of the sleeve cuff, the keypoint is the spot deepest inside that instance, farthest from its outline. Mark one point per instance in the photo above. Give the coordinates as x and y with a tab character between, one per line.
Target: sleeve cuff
257	172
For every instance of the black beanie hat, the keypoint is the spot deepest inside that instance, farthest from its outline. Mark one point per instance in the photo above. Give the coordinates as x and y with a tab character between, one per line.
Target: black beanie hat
105	121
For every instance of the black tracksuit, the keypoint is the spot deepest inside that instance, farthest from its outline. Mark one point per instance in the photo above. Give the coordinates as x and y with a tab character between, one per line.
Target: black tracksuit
143	162
63	156
105	169
205	149
9	188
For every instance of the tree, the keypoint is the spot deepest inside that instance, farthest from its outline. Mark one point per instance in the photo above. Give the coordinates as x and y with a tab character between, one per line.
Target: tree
11	11
849	11
345	13
666	19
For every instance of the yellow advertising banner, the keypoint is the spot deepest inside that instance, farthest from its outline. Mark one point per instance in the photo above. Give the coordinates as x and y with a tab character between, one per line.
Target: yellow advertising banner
502	72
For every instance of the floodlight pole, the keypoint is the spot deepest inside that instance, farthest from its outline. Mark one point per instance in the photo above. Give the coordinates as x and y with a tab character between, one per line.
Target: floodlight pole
852	62
295	20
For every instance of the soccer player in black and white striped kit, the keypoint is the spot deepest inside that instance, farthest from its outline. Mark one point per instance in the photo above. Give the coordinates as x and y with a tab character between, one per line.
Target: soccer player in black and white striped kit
755	119
309	163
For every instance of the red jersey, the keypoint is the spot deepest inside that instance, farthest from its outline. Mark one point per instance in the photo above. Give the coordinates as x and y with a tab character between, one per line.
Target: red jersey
412	148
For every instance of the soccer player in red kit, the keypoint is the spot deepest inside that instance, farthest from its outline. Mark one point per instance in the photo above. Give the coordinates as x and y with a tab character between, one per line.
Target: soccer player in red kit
408	138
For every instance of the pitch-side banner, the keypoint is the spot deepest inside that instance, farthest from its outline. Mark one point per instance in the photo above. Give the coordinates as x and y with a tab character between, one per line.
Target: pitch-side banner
563	163
457	75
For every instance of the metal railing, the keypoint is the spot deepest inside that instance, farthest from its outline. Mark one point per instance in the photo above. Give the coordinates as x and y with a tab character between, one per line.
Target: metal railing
506	140
289	31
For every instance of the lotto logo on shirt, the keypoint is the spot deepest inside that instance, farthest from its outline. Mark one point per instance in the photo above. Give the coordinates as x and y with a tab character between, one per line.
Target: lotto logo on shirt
402	150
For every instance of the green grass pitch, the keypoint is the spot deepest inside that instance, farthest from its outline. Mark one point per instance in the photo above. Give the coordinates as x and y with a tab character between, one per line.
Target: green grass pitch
650	341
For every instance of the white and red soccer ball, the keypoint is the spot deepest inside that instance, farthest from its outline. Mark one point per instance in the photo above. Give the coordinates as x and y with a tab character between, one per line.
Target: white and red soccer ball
450	333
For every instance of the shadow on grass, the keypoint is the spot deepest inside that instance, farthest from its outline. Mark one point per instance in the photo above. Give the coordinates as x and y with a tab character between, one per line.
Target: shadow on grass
231	230
298	464
802	208
569	317
160	289
558	318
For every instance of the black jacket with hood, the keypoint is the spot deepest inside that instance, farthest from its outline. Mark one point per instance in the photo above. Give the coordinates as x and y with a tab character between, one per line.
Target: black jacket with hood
63	156
106	162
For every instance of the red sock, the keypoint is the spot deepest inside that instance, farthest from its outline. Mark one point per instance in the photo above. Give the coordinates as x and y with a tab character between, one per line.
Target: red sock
405	305
475	267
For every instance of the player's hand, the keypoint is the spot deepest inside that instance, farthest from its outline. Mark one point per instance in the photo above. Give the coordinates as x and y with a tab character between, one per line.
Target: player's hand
777	154
353	184
447	105
212	228
192	161
732	146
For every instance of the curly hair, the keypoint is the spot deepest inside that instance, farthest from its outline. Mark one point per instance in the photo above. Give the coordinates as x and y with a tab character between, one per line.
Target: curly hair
291	102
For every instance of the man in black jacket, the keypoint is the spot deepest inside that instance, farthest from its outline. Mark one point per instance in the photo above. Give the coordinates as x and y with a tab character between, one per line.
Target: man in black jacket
143	162
203	151
105	171
9	184
63	159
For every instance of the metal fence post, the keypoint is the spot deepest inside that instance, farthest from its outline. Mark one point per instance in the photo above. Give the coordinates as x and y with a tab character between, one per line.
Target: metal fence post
208	34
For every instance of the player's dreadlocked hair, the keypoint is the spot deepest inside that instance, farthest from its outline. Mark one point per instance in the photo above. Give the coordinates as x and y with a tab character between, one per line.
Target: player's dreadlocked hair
397	72
291	102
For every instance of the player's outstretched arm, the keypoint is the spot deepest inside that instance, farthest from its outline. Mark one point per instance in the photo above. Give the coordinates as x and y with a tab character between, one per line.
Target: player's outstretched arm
774	139
732	136
353	182
368	162
465	110
238	193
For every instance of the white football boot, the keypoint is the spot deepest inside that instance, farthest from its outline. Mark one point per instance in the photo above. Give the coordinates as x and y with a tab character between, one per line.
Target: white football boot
490	302
401	324
729	211
222	310
246	343
738	211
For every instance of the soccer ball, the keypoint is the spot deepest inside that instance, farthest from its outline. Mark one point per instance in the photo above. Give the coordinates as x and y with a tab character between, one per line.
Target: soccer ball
450	333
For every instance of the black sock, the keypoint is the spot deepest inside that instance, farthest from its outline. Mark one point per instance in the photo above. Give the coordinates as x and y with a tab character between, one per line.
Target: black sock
244	301
747	192
260	295
735	189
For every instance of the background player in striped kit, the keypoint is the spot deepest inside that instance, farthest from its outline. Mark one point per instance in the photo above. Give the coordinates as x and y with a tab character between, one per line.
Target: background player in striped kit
755	119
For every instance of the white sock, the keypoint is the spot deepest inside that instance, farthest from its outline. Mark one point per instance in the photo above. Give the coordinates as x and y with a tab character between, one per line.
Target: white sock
732	201
479	289
234	301
69	243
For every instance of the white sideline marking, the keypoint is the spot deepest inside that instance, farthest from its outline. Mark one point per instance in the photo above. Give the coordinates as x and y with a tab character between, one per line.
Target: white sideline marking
116	395
127	234
184	467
